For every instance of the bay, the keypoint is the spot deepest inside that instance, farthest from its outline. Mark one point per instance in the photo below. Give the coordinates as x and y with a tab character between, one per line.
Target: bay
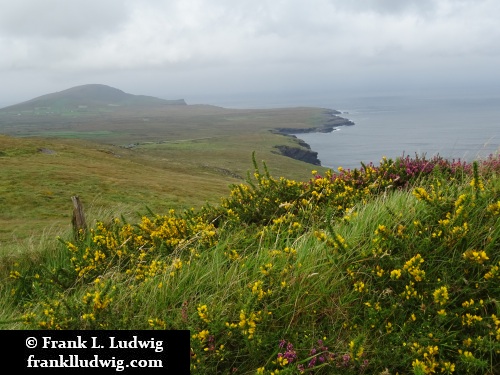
461	127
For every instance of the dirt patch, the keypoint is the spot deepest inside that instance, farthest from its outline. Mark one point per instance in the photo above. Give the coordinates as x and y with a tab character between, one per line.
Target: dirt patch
46	151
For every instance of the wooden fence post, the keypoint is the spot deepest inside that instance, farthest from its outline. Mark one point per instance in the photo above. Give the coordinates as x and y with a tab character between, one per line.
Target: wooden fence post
78	221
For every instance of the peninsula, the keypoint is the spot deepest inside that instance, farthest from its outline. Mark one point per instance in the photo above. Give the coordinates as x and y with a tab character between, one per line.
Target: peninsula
108	115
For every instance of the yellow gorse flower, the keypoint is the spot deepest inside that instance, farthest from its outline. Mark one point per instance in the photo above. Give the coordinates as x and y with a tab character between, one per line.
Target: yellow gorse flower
248	323
469	319
266	269
421	194
258	290
359	286
494	208
441	295
476	256
395	274
494	271
203	313
202	336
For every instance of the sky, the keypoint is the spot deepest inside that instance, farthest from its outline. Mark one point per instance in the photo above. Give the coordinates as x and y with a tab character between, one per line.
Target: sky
219	51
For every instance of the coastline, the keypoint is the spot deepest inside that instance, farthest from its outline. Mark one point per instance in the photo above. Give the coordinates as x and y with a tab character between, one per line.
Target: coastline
327	127
304	152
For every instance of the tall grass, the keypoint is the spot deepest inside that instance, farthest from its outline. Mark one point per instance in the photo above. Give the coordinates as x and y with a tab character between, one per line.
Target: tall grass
384	269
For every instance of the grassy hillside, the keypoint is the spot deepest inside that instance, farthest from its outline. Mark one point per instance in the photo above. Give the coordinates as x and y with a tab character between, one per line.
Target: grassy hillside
39	175
389	269
129	157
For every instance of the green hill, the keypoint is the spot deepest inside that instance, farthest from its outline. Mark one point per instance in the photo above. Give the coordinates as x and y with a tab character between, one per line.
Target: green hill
90	97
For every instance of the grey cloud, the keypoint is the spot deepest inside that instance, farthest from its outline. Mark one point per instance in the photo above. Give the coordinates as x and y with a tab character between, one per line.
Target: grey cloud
191	46
60	18
394	7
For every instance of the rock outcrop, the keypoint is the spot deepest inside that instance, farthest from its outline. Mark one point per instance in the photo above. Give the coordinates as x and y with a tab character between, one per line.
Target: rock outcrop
303	152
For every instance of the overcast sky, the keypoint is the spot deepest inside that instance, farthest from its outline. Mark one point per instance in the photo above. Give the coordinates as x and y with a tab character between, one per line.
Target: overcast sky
205	51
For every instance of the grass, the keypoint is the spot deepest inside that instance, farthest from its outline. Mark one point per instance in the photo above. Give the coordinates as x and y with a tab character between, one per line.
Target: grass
128	160
37	186
384	269
127	126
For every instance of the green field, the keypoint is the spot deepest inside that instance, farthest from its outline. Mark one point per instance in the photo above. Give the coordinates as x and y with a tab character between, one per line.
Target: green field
130	159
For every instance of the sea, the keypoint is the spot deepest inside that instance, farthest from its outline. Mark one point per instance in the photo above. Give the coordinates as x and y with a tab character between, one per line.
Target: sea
455	125
460	127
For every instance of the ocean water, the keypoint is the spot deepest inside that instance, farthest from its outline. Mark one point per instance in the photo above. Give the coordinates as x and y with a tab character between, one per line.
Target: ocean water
460	127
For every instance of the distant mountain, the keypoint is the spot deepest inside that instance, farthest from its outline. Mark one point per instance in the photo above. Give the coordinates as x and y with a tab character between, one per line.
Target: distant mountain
91	96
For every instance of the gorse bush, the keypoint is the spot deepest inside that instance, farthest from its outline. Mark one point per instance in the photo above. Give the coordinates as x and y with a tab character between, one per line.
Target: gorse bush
428	286
383	269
